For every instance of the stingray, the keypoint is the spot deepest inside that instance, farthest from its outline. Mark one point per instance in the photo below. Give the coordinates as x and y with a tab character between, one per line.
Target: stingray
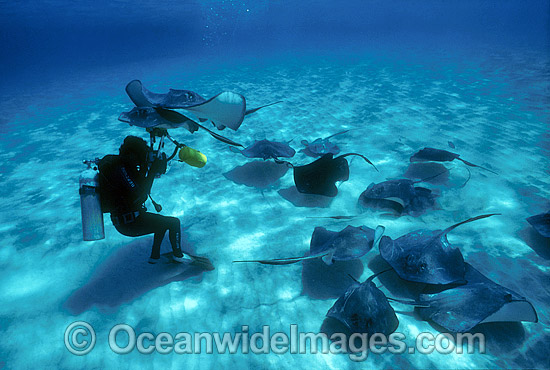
160	118
481	300
541	223
320	176
320	146
364	308
400	196
348	244
258	174
266	149
440	155
426	256
226	109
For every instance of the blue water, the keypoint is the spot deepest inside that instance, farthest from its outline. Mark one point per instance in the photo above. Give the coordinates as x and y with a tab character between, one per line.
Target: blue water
400	75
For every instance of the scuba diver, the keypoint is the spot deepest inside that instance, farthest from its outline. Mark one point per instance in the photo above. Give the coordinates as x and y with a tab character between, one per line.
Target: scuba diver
125	181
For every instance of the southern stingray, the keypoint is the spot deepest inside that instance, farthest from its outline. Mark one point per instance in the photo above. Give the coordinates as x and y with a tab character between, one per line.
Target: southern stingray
226	109
321	146
320	176
480	300
440	155
400	196
258	174
541	223
160	118
426	256
348	244
364	308
266	149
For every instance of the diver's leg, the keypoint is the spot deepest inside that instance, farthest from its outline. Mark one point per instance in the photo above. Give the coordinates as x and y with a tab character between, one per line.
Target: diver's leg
174	233
147	223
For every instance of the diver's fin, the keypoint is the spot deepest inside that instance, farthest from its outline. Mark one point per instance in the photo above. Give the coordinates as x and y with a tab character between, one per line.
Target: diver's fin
250	111
226	109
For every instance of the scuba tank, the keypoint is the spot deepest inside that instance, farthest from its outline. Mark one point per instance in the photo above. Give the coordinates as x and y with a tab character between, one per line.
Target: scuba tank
192	157
90	204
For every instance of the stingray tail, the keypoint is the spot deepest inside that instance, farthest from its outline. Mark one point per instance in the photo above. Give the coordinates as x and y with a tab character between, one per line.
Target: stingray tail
362	156
288	164
250	111
219	137
281	261
475	165
431	177
372	277
412	303
339	133
469	177
466	221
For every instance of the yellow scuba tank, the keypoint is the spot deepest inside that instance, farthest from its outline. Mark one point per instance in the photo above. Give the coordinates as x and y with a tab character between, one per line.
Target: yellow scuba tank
192	157
90	204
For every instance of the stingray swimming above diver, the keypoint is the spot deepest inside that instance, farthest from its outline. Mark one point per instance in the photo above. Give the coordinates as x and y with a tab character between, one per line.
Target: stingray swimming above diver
440	155
321	146
426	256
226	109
163	119
351	243
320	176
266	149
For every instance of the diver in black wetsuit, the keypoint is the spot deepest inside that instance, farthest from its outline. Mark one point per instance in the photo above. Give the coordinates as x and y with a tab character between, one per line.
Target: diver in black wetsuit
126	180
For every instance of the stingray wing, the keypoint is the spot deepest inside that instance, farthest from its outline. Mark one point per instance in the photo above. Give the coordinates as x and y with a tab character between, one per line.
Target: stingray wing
173	99
226	109
461	308
420	256
148	117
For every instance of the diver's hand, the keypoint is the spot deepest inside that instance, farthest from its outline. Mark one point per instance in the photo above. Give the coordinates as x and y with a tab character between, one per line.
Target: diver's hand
159	165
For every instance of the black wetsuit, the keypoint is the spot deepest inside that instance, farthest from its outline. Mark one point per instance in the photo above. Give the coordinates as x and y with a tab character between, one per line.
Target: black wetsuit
125	186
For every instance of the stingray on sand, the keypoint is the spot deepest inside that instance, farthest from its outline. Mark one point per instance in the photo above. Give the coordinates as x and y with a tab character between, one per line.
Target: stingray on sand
320	176
266	149
364	308
351	243
258	174
440	155
460	308
321	146
399	196
426	256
